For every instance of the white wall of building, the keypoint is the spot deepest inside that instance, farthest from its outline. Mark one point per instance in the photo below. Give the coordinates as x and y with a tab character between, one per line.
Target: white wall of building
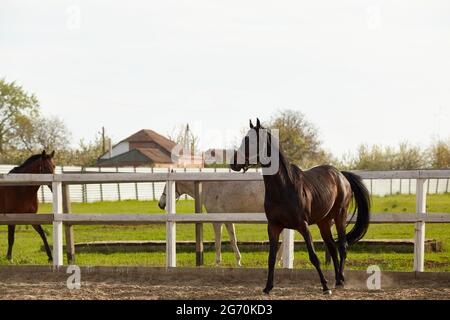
118	149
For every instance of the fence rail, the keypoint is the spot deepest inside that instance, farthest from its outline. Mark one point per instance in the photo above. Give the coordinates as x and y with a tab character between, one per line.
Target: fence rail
402	182
60	183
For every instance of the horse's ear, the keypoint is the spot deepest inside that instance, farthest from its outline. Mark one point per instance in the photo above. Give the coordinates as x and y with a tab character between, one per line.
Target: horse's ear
44	153
52	155
251	124
258	124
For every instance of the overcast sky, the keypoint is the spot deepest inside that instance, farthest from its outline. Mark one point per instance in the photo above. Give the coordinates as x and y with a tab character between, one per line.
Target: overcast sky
375	72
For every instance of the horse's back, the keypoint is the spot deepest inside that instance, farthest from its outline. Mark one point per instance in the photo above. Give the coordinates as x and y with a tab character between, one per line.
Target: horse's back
234	196
325	175
327	188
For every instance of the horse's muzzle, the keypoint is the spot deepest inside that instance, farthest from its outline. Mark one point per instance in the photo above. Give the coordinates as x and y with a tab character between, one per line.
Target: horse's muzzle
236	167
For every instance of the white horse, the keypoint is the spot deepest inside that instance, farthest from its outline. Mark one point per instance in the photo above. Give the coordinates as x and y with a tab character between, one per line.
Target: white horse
225	197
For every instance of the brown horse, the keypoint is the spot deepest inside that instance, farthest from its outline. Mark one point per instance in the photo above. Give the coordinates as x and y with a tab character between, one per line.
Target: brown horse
296	199
23	199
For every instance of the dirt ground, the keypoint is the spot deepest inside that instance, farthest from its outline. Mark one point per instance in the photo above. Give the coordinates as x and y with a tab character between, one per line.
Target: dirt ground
201	284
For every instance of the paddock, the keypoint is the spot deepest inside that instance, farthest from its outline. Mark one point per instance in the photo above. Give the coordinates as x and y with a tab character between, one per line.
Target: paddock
110	283
214	283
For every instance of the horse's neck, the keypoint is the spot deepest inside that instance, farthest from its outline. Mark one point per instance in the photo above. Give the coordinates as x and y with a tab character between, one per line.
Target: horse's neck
276	183
186	188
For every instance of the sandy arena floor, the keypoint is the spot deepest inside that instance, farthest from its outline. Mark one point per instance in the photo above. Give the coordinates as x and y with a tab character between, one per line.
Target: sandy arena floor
21	283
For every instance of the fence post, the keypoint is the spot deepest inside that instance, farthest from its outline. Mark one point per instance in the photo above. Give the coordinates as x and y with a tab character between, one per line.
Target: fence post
57	224
288	249
198	226
118	186
83	188
101	186
171	236
42	194
419	235
136	186
67	209
153	187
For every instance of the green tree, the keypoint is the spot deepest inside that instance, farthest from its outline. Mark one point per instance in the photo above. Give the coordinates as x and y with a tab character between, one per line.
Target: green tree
409	157
439	154
87	153
15	105
299	139
405	157
40	133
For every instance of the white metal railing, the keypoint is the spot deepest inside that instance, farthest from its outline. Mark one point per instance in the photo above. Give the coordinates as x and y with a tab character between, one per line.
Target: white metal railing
58	218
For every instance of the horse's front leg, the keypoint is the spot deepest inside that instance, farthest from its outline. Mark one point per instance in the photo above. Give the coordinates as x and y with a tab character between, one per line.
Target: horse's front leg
274	236
304	231
11	232
218	241
233	241
280	255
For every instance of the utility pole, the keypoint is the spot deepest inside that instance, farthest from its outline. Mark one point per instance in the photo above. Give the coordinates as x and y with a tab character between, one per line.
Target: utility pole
103	141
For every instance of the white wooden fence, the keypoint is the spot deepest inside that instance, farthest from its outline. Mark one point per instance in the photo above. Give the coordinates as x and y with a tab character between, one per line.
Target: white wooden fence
58	219
152	190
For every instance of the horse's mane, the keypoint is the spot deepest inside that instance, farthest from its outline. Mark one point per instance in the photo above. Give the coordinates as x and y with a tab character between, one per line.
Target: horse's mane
293	172
297	177
24	165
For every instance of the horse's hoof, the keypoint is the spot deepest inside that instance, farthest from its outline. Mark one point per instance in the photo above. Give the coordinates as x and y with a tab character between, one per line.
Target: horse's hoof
267	290
239	263
340	285
327	292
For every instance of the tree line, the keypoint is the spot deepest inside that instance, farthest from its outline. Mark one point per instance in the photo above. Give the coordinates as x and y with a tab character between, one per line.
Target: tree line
24	131
301	143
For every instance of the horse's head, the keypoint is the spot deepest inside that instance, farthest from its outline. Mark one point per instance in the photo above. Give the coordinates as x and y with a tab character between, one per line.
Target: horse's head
163	199
38	163
248	154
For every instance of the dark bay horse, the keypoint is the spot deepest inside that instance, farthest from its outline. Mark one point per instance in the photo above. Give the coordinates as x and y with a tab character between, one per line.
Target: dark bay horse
23	199
296	199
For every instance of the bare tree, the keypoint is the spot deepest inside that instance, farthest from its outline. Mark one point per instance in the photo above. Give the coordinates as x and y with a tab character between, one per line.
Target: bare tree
182	135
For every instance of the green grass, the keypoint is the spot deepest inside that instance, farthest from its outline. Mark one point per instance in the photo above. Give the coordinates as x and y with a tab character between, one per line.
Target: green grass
28	247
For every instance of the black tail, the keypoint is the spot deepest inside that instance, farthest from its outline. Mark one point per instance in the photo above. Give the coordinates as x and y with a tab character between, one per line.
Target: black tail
362	205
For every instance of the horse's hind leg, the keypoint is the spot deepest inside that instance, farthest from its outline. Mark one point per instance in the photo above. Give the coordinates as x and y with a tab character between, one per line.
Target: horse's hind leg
342	244
218	241
304	230
233	241
327	236
274	236
41	232
11	232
